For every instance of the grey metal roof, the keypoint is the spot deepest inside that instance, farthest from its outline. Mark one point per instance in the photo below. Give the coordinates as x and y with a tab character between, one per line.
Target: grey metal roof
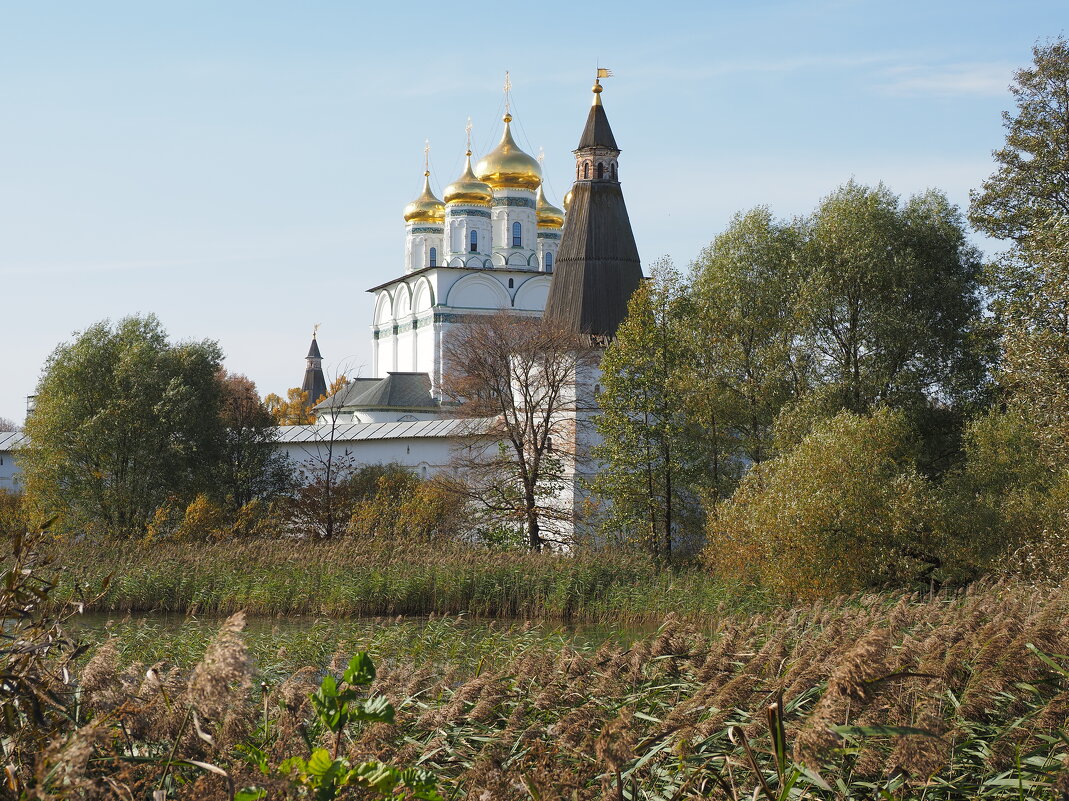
313	351
400	391
416	429
13	440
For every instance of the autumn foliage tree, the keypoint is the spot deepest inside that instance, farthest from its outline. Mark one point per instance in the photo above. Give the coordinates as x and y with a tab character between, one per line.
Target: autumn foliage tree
296	409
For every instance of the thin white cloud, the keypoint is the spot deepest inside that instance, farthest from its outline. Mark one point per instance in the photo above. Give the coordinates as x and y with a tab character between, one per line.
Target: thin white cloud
64	267
973	78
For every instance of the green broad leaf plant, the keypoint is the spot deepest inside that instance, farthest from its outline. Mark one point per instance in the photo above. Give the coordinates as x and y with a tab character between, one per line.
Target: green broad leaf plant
338	705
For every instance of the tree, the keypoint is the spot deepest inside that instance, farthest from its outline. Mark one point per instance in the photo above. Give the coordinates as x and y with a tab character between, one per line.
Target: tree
295	410
7	425
323	500
843	510
393	504
744	327
1032	179
650	456
124	419
521	376
1032	305
889	301
250	466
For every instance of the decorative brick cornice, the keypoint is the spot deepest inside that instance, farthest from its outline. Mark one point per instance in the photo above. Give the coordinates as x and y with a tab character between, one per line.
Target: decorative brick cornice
469	212
522	202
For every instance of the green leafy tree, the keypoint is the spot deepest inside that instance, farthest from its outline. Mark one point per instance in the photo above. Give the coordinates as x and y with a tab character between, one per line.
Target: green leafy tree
1032	179
1032	305
651	457
743	328
124	420
890	301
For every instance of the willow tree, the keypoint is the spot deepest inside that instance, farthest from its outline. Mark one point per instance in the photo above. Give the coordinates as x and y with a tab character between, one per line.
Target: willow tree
743	330
124	421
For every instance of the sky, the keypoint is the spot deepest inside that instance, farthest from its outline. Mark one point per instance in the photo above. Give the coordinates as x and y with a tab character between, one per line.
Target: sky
239	168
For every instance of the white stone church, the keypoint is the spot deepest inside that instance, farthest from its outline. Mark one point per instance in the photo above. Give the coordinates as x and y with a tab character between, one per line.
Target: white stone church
493	243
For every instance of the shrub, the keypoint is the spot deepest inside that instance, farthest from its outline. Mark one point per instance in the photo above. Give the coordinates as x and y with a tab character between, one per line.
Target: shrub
203	519
845	509
403	506
13	512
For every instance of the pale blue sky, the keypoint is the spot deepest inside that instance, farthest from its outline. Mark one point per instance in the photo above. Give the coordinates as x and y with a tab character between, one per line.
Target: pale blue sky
239	168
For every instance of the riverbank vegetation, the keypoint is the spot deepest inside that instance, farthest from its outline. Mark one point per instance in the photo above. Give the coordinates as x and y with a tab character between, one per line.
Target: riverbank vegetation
960	694
353	577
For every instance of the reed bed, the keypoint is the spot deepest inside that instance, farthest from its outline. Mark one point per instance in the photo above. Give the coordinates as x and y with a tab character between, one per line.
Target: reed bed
955	696
350	578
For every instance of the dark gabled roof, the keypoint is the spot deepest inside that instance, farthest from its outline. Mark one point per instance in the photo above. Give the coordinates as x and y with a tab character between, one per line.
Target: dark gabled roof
395	391
597	132
399	391
597	266
353	389
313	350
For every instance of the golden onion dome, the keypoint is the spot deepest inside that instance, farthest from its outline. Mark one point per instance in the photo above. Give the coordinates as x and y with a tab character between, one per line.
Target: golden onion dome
426	207
508	167
469	189
549	216
567	202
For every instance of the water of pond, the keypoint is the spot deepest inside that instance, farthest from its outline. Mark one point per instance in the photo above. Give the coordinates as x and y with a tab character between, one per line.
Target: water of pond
280	645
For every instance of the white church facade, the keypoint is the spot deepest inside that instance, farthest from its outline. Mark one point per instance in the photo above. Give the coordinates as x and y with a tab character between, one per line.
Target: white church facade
493	243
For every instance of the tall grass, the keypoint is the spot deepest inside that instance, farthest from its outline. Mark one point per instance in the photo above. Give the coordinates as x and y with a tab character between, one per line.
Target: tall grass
352	578
876	696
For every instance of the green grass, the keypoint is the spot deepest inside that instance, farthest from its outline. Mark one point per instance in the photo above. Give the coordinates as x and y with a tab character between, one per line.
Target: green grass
352	579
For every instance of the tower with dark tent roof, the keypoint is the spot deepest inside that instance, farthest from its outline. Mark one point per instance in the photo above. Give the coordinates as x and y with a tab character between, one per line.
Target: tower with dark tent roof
597	266
314	382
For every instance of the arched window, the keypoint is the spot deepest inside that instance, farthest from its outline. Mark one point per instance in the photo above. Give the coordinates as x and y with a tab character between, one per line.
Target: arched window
511	283
614	170
434	257
549	262
586	169
517	239
473	242
601	170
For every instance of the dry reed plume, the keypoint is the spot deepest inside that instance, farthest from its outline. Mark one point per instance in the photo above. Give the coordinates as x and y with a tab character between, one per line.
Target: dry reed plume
960	695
